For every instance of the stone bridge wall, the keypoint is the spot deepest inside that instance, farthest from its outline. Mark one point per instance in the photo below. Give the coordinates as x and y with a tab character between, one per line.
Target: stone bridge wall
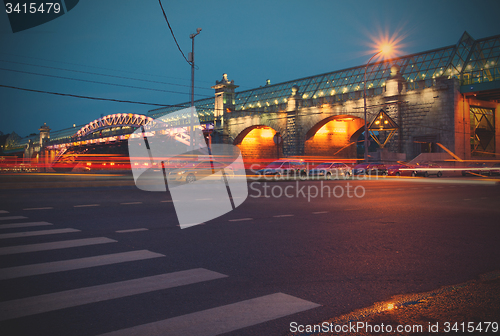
425	113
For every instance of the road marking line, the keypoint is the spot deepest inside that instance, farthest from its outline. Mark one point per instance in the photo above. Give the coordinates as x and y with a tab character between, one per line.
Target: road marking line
20	225
3	211
240	219
167	201
203	199
189	225
77	297
73	264
131	230
223	319
278	216
131	203
54	245
12	217
46	208
36	233
85	205
319	212
400	189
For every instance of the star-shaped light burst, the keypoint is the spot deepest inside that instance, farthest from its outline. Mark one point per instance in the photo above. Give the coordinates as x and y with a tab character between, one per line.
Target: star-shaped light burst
386	46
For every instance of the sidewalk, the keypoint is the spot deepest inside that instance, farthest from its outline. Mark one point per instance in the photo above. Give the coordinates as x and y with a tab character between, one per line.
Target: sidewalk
475	303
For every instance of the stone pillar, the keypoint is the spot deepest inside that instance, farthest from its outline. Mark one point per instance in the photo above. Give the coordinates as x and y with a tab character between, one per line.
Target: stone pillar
224	105
395	86
44	138
291	139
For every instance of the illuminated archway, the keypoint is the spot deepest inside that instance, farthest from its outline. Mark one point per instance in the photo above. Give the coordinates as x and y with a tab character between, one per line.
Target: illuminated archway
256	143
334	137
114	120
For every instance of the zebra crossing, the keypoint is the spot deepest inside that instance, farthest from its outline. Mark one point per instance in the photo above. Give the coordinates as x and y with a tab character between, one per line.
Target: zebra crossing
214	321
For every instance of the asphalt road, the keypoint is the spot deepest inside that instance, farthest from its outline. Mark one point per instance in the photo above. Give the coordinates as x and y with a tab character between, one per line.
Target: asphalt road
270	262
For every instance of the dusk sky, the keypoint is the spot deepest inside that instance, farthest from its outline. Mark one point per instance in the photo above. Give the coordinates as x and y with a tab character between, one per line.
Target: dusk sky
251	41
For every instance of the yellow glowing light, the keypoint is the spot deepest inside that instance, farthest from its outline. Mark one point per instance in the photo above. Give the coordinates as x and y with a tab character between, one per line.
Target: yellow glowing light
266	133
385	44
336	127
386	49
377	122
386	122
390	306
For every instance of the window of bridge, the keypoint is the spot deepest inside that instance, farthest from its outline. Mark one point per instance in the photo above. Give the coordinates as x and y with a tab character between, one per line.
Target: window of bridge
482	131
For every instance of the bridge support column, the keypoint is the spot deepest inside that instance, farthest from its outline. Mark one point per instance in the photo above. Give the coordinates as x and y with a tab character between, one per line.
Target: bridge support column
395	86
292	144
224	105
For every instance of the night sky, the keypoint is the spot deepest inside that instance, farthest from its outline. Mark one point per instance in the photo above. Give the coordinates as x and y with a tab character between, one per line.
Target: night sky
251	41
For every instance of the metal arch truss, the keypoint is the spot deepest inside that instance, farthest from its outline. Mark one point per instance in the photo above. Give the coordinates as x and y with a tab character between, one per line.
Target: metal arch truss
114	120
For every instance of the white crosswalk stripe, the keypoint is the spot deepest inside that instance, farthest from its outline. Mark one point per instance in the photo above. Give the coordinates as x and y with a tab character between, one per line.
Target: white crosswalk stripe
54	245
3	211
21	225
77	297
214	321
36	233
223	319
73	264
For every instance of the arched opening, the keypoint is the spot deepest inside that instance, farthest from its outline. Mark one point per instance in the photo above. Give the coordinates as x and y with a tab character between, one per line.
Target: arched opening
334	137
256	143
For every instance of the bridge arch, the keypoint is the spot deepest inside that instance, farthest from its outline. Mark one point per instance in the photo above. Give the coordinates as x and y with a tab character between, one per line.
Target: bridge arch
334	136
114	120
256	143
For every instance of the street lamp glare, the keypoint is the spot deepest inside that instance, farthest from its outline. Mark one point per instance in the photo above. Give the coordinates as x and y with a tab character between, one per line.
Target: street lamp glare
386	49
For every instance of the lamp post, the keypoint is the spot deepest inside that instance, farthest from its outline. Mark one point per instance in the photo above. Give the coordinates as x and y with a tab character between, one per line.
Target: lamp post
191	60
364	104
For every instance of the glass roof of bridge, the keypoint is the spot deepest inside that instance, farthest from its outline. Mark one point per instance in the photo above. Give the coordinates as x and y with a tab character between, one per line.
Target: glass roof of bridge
467	55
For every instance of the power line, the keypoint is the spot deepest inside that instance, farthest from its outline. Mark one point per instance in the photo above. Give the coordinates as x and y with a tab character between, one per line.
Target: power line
165	15
87	97
96	67
95	82
95	73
